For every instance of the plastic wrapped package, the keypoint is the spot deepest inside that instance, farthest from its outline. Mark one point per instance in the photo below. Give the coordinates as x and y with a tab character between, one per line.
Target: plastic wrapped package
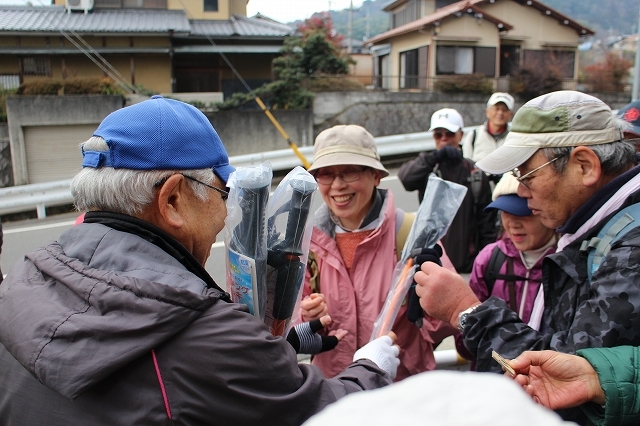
246	236
289	235
441	202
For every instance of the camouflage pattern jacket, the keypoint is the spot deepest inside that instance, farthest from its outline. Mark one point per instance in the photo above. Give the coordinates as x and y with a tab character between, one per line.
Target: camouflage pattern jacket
578	314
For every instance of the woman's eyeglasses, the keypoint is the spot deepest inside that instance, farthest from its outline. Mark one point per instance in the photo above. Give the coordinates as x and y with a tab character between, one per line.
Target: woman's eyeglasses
347	176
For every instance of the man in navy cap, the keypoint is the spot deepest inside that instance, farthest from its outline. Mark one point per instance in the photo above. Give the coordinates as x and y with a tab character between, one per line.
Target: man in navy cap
118	323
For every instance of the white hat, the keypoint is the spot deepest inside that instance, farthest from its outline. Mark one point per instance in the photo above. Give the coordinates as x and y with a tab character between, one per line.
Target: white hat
447	118
505	98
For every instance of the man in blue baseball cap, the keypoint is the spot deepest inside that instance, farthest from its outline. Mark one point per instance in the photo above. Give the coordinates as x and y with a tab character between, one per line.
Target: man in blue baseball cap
118	323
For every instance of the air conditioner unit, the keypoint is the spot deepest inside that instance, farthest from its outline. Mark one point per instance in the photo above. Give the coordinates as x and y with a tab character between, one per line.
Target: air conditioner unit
85	5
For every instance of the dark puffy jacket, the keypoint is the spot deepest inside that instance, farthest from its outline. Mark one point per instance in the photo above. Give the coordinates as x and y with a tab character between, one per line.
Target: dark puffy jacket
105	327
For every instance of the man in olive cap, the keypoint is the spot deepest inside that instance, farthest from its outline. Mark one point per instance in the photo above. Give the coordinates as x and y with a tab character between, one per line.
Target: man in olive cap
576	171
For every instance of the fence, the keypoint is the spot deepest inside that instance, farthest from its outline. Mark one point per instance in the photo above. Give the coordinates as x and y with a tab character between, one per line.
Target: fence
39	196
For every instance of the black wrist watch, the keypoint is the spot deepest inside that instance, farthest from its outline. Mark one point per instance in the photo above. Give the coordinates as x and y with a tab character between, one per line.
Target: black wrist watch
462	317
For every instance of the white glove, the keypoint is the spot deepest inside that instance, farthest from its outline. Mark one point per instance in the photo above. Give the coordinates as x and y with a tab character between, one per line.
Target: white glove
382	352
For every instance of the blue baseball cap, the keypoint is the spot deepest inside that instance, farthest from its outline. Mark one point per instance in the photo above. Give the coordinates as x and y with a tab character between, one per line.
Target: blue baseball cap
159	134
511	204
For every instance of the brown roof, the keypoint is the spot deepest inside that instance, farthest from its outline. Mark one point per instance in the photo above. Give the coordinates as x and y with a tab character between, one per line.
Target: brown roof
471	6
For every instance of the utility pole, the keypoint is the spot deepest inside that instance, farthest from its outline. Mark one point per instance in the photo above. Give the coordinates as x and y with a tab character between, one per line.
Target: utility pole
350	28
636	77
368	27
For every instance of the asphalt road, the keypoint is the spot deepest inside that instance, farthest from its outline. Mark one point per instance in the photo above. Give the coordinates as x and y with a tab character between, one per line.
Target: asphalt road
24	236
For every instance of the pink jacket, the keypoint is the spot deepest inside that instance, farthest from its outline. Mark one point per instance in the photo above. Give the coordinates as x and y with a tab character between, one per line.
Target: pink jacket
500	289
355	301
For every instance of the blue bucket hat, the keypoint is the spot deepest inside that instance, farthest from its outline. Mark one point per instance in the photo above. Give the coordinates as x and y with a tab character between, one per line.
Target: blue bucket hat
159	134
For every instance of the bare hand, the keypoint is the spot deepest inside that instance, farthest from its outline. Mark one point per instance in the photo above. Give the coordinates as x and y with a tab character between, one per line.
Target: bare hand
557	380
313	307
339	333
443	293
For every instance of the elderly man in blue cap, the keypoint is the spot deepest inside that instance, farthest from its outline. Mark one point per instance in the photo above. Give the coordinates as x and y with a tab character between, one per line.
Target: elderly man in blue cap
577	172
118	323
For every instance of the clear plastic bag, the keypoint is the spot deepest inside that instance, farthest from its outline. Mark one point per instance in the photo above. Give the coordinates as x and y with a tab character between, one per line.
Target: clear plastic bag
289	227
246	236
441	202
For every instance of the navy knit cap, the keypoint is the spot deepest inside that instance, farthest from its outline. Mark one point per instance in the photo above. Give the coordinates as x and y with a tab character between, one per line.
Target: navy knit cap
159	134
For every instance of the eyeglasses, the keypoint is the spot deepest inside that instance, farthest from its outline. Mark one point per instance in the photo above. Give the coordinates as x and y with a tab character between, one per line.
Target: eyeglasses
523	179
347	176
441	134
223	194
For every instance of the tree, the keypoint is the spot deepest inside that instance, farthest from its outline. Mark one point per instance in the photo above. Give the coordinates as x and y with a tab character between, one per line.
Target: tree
608	75
315	52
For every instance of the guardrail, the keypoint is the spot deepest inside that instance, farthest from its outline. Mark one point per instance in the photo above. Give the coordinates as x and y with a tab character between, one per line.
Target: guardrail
38	196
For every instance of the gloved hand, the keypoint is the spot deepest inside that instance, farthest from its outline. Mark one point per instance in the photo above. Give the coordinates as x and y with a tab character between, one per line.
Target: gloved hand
414	310
449	153
304	337
381	352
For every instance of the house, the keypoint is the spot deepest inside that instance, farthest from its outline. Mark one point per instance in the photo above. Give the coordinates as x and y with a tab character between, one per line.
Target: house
174	47
433	40
166	46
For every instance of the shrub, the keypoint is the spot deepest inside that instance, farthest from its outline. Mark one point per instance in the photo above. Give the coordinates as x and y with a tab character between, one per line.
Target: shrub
608	75
40	87
3	103
533	82
468	83
333	84
87	86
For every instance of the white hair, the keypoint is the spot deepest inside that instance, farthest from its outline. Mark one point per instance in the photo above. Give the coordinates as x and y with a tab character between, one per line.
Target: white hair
124	190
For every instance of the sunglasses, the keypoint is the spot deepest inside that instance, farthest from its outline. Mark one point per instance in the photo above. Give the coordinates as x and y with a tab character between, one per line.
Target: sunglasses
442	133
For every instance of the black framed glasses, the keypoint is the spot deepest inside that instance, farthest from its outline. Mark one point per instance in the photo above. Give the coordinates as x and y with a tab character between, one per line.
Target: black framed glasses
527	176
347	176
223	194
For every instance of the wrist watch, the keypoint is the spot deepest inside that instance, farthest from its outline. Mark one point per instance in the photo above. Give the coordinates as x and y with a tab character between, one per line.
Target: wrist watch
462	317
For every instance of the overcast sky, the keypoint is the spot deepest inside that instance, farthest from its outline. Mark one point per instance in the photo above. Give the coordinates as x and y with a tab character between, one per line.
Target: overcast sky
280	10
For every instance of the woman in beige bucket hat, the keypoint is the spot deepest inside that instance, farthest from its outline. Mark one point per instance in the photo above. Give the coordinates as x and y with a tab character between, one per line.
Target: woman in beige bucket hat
355	249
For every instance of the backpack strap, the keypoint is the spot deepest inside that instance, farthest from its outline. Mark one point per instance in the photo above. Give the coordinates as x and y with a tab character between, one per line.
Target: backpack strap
598	247
403	232
511	285
493	267
312	266
492	272
473	140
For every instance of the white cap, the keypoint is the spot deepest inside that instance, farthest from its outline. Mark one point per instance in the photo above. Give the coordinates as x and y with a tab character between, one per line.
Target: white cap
505	98
447	118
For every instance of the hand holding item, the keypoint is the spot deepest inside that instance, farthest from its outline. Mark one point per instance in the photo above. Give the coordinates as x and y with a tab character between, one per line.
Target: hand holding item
443	293
414	310
557	380
449	153
381	352
313	307
304	337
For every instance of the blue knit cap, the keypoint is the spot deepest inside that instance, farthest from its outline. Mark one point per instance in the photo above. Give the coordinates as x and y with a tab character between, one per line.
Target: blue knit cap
159	134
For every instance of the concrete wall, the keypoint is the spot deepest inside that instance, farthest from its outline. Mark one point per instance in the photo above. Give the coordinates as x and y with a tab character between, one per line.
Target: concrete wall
247	132
391	113
23	111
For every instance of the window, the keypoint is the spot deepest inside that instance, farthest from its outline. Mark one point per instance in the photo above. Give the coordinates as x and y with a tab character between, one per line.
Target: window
413	68
466	60
410	13
36	66
210	5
